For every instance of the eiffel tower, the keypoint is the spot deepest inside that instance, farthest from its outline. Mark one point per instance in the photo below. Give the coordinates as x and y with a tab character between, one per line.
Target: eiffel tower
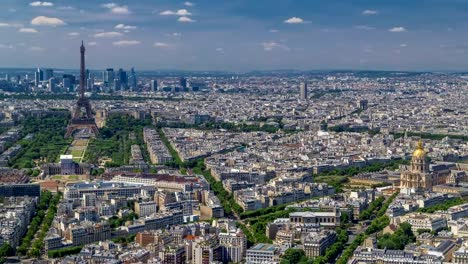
82	116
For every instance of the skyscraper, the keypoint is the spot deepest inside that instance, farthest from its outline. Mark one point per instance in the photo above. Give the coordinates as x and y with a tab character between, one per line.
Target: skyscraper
38	76
303	90
109	77
123	78
66	84
154	85
52	85
183	83
133	79
48	73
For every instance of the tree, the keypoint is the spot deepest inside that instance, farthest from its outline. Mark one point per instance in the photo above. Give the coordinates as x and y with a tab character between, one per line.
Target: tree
292	256
398	240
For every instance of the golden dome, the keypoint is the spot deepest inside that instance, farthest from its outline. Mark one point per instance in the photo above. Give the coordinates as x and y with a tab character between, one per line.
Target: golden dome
419	153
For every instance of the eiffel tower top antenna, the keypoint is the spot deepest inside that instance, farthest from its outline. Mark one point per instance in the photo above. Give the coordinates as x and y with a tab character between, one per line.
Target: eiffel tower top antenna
82	71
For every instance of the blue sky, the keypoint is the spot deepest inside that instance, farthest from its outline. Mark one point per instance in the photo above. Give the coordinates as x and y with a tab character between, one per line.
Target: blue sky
237	35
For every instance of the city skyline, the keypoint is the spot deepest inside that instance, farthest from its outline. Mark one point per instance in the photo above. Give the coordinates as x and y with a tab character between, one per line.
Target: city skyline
237	35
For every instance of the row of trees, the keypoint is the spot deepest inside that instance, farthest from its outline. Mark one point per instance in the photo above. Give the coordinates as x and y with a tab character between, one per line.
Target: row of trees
38	244
443	206
35	223
198	167
247	233
58	253
243	127
377	225
431	136
227	199
332	252
263	211
373	207
177	161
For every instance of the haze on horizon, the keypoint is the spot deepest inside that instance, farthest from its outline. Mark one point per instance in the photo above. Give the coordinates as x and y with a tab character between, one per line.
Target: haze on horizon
238	35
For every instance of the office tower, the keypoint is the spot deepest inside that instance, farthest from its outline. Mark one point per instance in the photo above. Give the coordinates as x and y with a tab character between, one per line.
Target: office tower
123	78
154	85
133	79
90	84
37	78
66	84
303	90
183	83
40	74
90	81
116	85
52	85
7	77
48	73
109	77
71	77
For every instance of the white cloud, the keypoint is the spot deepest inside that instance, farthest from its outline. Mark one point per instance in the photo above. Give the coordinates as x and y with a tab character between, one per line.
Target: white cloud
220	50
186	20
47	21
10	25
161	45
295	20
121	10
403	45
397	29
109	5
40	3
364	27
36	48
274	30
180	12
123	26
370	12
174	34
189	3
117	9
111	34
167	13
28	30
126	43
270	45
66	8
92	43
73	34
